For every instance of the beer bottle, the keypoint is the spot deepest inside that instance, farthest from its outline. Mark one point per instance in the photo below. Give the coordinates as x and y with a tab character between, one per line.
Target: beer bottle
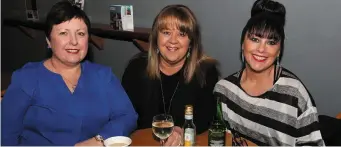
216	132
189	128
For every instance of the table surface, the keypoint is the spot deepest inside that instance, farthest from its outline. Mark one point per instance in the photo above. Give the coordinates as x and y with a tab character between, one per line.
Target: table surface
144	137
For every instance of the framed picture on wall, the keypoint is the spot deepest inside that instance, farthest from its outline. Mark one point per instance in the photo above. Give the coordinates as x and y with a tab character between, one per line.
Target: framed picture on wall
31	10
121	17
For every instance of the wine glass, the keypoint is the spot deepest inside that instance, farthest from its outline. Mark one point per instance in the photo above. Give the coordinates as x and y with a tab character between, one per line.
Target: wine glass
162	126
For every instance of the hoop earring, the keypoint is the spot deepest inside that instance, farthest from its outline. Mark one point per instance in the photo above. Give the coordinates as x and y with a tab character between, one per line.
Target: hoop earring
157	51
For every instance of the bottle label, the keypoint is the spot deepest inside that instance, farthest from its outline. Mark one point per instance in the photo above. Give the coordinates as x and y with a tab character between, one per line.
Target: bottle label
189	136
217	143
216	137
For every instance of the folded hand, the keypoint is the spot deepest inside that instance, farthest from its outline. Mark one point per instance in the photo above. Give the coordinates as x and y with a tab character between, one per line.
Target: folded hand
176	138
90	142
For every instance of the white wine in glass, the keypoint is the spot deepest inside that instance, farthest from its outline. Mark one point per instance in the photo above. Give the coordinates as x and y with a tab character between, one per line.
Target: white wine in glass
162	126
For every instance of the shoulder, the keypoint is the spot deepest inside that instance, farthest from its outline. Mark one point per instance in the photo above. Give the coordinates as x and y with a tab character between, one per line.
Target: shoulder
26	78
136	66
30	67
290	83
228	82
208	68
139	61
98	68
28	71
288	74
228	86
233	78
206	72
208	65
288	78
97	71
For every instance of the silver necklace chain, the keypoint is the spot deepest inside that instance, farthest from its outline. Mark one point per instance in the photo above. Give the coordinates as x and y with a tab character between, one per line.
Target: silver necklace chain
73	86
163	97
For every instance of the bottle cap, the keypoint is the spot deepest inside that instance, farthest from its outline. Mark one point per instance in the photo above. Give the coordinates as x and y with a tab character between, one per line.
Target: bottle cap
188	110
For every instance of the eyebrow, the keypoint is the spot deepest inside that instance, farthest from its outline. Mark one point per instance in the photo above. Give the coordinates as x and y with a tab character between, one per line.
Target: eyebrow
255	35
164	29
69	29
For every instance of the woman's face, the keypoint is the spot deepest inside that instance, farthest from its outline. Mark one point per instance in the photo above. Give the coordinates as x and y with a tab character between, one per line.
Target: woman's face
260	53
69	41
173	45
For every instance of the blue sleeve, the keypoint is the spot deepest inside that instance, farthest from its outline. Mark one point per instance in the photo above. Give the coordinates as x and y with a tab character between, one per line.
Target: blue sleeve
123	116
13	108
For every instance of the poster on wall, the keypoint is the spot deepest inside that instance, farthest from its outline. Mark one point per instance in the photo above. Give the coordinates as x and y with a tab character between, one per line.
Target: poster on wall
78	3
121	17
31	10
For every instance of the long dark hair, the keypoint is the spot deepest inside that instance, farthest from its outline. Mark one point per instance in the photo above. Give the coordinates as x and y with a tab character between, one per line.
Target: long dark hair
267	21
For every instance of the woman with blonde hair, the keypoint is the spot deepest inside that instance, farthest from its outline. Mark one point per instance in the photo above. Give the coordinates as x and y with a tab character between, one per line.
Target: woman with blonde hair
175	73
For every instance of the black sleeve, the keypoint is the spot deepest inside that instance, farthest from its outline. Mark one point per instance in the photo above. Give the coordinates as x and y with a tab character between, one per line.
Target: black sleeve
206	102
131	81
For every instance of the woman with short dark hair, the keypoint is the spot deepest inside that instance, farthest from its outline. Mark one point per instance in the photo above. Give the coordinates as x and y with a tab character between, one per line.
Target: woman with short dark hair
65	100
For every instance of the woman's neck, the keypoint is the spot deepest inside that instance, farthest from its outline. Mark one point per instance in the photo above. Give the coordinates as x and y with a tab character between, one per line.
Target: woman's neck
64	69
264	77
170	69
256	84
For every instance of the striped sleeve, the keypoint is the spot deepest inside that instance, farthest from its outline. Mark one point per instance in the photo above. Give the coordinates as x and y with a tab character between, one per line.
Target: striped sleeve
309	133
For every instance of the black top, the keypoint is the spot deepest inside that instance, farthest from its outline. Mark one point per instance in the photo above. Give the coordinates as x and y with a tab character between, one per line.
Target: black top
145	94
170	86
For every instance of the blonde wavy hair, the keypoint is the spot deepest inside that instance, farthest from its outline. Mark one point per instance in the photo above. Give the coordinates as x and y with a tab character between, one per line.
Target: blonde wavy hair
183	18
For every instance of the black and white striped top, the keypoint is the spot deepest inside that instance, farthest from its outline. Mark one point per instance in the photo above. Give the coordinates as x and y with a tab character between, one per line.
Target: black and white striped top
284	115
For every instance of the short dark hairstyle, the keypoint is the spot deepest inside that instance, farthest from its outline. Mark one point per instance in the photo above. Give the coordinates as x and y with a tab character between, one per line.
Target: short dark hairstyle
64	11
267	21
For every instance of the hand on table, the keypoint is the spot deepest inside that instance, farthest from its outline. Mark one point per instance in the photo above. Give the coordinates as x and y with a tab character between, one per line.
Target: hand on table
176	138
90	142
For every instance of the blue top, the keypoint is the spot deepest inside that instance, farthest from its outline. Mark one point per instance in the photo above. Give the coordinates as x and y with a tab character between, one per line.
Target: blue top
39	109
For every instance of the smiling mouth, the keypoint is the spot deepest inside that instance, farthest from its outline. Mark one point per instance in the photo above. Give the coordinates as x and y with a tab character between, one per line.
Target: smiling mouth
172	49
259	58
72	51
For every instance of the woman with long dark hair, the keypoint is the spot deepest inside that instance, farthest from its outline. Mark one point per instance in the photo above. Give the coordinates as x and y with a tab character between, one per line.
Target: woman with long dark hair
265	102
